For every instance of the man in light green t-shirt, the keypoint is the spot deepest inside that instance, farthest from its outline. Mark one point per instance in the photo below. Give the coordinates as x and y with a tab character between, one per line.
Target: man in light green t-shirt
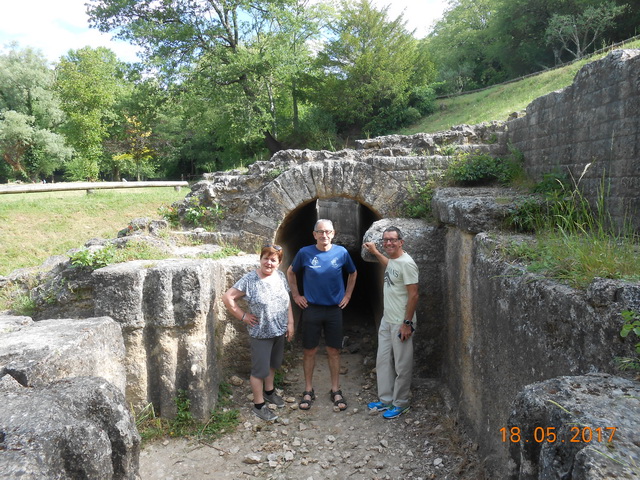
394	362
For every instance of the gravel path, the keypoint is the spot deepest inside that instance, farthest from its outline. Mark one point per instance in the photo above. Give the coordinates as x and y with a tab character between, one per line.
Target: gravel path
424	443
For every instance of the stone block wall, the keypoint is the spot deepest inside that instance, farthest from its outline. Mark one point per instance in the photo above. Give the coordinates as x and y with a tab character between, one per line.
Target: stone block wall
165	310
596	121
506	329
176	330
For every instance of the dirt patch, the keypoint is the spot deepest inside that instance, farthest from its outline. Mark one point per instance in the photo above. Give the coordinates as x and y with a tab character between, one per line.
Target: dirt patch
424	443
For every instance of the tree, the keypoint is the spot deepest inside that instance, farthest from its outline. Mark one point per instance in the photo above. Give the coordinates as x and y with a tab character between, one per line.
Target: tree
461	45
90	82
575	34
230	53
370	67
482	42
29	116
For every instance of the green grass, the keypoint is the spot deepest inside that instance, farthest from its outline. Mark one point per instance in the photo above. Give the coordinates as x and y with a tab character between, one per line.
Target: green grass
497	103
38	225
224	419
577	259
577	242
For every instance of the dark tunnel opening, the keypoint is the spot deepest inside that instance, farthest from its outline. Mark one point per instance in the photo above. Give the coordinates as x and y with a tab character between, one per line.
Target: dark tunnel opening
351	220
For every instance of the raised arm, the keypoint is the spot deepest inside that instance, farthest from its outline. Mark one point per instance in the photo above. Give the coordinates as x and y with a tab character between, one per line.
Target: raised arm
371	247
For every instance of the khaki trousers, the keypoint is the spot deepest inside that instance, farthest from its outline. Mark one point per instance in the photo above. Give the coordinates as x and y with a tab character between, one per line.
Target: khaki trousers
394	366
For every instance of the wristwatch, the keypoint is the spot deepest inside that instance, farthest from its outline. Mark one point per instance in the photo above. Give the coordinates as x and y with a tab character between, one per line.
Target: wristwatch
408	322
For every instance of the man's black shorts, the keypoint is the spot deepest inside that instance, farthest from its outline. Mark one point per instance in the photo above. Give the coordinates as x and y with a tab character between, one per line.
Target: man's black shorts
319	318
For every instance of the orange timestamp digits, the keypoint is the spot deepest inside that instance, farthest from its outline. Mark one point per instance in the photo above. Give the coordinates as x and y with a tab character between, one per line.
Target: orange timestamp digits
548	434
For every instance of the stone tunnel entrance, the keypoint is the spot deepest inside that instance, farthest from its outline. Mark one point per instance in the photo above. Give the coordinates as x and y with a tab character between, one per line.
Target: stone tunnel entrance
351	220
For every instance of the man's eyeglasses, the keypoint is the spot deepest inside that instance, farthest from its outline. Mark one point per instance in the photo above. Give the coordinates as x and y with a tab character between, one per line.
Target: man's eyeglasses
272	245
390	240
324	232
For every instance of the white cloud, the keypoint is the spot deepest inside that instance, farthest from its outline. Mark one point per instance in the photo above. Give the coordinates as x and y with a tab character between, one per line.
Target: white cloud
54	27
419	14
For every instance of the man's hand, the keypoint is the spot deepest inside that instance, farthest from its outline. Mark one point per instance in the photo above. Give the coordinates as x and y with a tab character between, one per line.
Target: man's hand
405	332
370	246
301	301
345	301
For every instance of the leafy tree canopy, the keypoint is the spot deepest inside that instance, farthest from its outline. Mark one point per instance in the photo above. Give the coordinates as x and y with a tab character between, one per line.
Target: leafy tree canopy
30	114
575	34
90	82
483	42
370	64
238	54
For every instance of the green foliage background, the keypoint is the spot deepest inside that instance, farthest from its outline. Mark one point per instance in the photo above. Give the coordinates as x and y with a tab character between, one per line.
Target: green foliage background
212	94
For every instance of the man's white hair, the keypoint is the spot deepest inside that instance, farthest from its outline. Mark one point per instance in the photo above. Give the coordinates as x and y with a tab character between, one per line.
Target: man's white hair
323	220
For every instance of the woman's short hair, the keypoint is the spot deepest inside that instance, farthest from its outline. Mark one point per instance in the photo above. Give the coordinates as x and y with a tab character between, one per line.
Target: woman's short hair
271	249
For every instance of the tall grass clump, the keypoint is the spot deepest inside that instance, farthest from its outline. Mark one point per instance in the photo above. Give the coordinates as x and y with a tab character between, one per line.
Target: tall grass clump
575	240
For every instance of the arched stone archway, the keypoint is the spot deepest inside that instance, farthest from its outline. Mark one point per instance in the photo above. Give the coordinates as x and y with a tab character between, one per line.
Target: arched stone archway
256	202
371	187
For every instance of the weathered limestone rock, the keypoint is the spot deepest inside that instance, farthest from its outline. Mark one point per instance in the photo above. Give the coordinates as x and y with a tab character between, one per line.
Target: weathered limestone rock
507	328
416	235
165	309
65	291
143	225
37	353
474	210
605	291
490	134
583	428
258	201
74	428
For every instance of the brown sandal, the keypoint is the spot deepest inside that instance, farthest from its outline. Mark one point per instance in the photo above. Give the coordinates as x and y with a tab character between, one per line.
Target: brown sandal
305	402
340	401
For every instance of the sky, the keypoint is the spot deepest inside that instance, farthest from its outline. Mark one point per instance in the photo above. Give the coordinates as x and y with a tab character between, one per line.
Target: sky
56	26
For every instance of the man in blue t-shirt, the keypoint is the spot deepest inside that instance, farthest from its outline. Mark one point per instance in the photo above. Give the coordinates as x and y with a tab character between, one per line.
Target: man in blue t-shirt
321	266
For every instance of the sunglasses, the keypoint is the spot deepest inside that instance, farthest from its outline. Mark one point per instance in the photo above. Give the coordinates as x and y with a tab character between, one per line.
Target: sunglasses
272	245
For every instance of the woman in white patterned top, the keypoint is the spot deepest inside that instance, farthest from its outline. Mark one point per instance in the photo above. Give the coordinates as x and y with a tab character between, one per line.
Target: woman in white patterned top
269	321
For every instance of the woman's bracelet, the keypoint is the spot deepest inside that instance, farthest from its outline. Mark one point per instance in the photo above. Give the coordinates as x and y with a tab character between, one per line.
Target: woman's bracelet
243	315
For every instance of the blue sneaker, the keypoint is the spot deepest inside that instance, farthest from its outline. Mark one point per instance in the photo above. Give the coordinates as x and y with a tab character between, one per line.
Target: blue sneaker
395	412
379	406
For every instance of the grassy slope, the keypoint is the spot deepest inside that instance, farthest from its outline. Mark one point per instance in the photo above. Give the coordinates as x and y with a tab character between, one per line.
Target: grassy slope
38	225
498	102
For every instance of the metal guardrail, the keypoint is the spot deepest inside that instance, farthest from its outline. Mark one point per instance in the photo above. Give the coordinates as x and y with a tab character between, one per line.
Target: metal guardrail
88	186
